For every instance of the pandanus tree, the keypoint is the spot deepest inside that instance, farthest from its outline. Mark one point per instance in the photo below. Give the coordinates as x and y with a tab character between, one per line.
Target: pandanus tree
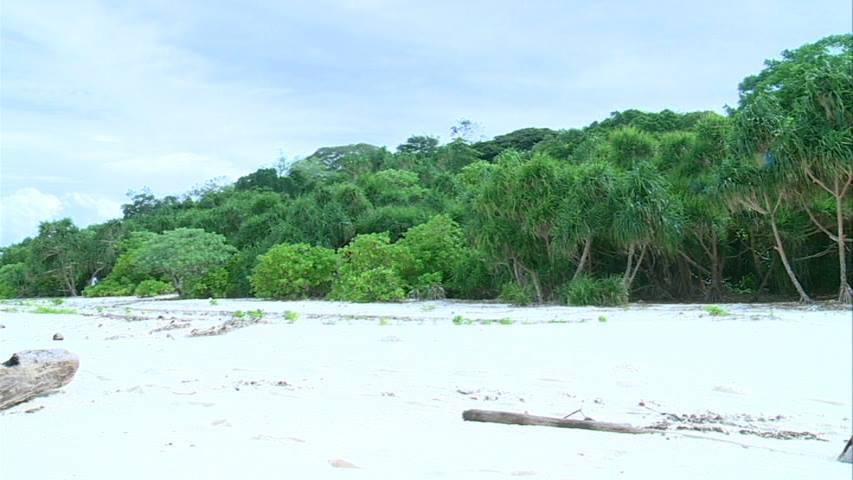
808	99
647	216
586	209
797	115
517	209
688	160
754	180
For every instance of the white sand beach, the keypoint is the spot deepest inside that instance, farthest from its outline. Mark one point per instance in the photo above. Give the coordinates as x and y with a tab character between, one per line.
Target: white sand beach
377	391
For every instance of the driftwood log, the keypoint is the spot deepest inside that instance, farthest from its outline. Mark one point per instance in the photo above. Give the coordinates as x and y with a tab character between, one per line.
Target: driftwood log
509	418
33	373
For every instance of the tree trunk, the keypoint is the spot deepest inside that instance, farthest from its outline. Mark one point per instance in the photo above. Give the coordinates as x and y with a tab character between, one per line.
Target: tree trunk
32	373
717	264
509	418
630	263
637	266
587	246
534	276
845	295
780	249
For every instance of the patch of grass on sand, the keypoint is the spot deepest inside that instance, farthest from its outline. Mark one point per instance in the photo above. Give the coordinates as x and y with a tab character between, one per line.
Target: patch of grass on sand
54	310
460	320
602	318
716	311
256	314
506	321
291	316
384	321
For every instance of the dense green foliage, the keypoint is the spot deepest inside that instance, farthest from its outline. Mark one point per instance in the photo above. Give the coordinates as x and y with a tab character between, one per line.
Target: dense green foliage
151	288
608	291
373	270
665	206
295	271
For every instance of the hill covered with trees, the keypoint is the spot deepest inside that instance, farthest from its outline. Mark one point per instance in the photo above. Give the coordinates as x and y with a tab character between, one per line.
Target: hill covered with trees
661	206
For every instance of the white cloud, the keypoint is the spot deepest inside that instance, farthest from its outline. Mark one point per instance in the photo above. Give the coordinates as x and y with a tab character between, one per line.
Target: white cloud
188	167
22	210
102	208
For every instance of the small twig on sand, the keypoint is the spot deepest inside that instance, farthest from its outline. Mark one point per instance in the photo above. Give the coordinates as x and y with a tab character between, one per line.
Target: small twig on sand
576	411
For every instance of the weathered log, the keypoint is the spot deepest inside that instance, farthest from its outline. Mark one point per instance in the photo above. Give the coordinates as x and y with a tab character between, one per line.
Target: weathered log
847	454
510	418
33	373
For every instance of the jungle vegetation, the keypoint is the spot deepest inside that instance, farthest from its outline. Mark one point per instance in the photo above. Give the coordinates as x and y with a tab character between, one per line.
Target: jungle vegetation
698	206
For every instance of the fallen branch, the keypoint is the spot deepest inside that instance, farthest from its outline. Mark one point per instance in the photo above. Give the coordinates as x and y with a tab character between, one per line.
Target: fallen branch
509	418
224	327
33	373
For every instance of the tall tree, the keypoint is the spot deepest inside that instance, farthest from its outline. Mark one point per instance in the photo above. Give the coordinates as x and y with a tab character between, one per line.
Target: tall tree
808	95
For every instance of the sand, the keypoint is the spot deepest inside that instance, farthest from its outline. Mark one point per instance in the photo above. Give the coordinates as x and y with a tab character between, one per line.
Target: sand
377	391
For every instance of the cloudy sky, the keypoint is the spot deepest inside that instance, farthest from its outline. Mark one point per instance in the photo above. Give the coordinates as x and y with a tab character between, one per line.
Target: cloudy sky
101	97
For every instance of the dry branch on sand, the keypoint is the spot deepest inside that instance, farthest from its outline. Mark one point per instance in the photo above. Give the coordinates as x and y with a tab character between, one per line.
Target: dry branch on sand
509	418
33	373
224	327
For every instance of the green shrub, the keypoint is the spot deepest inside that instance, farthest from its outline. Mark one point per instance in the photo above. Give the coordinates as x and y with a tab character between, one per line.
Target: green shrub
376	285
428	287
12	280
152	288
437	246
608	291
54	310
109	288
212	284
471	277
516	294
716	311
372	269
293	271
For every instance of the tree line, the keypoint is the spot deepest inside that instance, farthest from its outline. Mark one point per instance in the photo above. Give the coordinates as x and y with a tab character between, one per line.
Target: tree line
660	206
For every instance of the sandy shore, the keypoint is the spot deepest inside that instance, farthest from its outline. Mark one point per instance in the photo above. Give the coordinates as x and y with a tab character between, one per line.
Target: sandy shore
381	387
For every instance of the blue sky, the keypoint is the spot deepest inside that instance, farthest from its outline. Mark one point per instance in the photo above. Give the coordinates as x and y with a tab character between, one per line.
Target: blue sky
100	97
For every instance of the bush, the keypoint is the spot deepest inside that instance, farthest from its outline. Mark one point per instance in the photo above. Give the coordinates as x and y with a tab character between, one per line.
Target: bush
381	284
716	311
471	277
152	288
372	269
436	246
12	279
428	287
191	258
109	288
609	291
292	271
213	284
516	294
